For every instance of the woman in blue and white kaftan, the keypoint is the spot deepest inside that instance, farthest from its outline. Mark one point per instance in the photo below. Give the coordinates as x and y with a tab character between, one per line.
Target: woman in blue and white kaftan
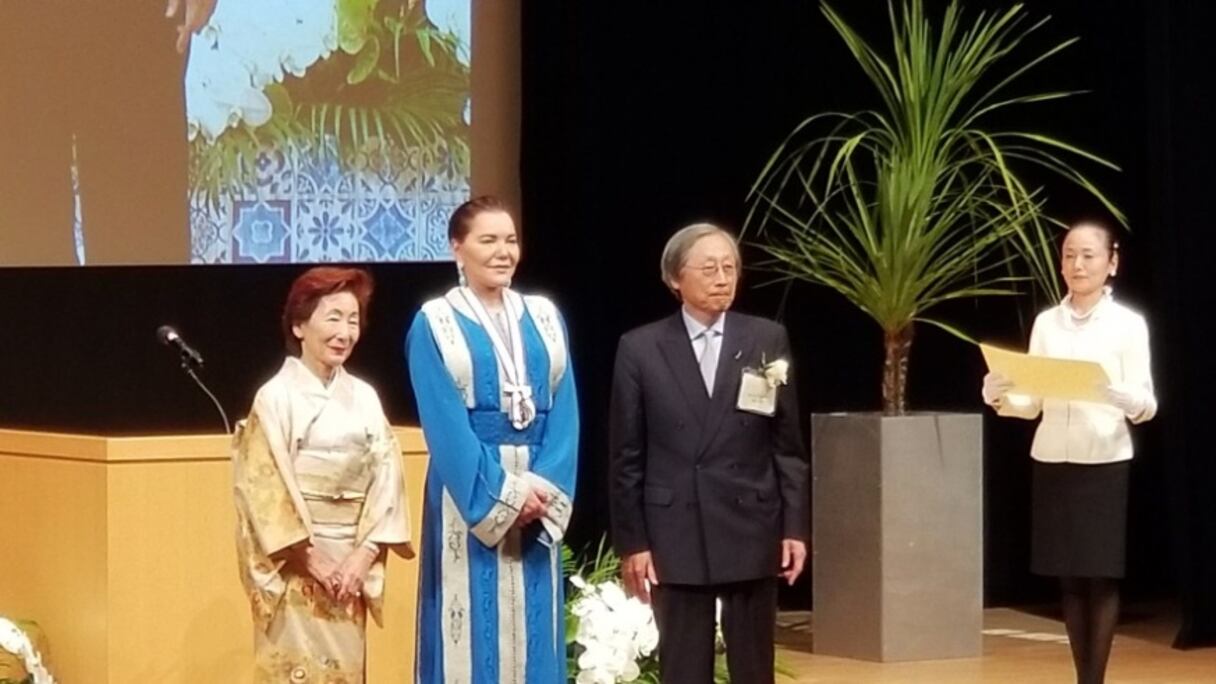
498	406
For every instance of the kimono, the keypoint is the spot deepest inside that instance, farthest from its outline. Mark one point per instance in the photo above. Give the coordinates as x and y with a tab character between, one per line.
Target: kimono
500	415
314	463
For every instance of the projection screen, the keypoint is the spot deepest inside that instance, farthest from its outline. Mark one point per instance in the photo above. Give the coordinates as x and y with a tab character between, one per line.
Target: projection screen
282	131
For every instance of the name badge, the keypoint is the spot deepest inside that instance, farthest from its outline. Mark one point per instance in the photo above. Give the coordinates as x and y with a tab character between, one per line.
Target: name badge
756	394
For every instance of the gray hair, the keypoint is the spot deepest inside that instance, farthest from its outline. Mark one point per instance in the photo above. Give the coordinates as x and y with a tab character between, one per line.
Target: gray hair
675	252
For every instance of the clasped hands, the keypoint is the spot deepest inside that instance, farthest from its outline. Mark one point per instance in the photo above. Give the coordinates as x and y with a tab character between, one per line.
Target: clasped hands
342	581
535	507
1122	397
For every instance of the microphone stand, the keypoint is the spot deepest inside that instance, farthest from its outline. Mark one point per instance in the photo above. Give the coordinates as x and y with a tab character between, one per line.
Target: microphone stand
188	368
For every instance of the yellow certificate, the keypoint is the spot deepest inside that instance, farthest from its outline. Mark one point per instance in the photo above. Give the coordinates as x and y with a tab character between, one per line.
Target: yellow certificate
1046	377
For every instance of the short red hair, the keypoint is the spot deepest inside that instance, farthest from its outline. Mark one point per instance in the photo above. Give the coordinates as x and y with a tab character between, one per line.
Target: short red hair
315	283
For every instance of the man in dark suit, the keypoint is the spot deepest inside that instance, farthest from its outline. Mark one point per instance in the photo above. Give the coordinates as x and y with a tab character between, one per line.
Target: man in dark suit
709	485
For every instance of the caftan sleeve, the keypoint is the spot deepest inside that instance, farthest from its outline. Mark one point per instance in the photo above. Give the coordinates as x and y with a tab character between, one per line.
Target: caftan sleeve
554	467
488	497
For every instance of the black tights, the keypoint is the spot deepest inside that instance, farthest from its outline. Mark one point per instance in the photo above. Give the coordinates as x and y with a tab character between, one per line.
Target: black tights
1091	611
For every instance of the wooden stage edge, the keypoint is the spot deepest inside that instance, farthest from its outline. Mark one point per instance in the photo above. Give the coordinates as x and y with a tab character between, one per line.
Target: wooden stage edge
1019	648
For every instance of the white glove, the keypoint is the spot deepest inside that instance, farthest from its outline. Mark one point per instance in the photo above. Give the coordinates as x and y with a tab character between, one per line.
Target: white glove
1126	399
995	388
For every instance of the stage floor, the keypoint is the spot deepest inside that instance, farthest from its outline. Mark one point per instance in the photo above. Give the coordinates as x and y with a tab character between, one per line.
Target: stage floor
1019	647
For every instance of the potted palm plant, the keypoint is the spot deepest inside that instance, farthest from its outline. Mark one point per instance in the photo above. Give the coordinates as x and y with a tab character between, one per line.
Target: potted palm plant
901	208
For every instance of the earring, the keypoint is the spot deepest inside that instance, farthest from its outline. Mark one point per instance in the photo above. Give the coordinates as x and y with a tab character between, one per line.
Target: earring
460	277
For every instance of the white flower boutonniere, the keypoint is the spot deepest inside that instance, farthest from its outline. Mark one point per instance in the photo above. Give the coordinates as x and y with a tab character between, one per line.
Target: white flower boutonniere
777	372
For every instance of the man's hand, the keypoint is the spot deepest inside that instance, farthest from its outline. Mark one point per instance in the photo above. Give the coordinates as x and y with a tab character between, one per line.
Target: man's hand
347	579
793	558
636	570
535	507
197	14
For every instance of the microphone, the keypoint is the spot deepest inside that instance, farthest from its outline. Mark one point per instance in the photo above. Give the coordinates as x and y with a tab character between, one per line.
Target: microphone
169	337
191	360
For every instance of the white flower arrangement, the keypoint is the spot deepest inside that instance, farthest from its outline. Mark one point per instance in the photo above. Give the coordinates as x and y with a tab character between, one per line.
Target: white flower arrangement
617	633
15	641
613	638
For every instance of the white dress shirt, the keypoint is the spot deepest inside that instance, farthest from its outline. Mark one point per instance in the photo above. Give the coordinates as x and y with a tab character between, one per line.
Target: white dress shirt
1080	431
695	330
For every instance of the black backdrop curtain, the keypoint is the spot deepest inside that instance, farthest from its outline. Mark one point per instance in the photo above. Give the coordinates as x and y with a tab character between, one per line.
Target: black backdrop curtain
641	118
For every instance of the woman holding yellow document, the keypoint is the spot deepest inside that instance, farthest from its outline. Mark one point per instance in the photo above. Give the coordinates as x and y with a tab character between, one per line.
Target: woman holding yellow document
1082	449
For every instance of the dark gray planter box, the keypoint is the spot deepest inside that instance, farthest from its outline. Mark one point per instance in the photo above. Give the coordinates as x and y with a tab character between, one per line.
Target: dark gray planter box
898	535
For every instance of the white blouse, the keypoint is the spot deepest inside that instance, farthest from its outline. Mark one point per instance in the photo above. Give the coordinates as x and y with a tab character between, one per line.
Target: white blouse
1080	431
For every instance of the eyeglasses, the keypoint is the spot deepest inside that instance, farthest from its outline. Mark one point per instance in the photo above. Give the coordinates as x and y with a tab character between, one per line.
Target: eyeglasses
710	270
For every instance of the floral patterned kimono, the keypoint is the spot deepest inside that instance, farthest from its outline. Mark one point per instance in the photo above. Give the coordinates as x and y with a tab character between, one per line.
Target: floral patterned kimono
314	463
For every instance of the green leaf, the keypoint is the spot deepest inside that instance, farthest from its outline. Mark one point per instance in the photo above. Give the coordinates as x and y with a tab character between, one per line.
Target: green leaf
365	61
386	76
949	328
280	99
424	44
572	623
354	22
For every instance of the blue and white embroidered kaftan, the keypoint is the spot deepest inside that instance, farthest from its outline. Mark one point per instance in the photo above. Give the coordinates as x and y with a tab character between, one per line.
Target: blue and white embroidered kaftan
490	598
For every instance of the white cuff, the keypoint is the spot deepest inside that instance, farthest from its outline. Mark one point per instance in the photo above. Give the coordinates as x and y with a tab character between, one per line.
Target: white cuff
558	510
494	526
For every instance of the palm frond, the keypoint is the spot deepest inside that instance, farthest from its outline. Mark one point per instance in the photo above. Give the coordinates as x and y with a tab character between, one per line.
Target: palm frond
920	202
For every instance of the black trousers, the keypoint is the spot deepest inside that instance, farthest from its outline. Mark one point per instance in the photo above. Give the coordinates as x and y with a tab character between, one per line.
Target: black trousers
685	615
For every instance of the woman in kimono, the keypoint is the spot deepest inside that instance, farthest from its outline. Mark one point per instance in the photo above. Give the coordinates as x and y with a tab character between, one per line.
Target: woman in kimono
1082	450
498	407
320	496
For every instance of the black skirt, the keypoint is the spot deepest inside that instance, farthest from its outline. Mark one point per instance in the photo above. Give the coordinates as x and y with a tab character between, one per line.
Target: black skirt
1079	519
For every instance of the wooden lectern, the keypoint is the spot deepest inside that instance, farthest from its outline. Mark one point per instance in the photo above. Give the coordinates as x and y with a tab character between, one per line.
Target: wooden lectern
122	549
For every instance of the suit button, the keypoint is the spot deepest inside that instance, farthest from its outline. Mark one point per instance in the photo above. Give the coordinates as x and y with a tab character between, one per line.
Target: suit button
739	500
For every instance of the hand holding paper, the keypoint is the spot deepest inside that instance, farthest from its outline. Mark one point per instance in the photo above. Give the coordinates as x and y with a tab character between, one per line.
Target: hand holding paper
996	386
1045	377
1125	399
